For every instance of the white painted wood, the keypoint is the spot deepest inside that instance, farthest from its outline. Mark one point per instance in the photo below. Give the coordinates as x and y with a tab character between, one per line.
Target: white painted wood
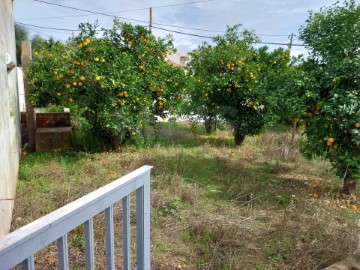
24	242
29	263
143	227
63	253
126	233
109	236
89	244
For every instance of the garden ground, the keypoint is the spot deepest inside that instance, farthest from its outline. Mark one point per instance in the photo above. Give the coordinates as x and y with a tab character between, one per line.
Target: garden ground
214	205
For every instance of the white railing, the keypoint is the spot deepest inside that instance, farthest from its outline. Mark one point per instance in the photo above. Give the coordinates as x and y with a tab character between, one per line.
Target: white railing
21	245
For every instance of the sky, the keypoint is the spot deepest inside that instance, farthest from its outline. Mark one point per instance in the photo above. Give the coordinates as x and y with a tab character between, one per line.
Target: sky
272	20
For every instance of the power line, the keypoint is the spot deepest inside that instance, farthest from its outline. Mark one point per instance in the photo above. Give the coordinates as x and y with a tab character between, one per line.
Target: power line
89	11
41	33
50	28
114	12
147	22
160	28
182	33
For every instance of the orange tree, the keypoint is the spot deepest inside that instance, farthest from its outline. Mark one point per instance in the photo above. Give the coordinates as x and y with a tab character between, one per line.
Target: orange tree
117	81
287	96
332	121
229	78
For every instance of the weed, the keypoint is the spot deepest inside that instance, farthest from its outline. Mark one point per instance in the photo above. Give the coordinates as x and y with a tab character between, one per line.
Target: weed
171	208
214	205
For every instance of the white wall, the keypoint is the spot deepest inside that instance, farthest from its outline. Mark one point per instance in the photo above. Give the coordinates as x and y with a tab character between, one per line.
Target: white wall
177	58
21	90
9	118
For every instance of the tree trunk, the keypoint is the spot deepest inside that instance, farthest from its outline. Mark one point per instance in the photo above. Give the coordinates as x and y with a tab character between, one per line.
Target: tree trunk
238	137
293	133
115	141
210	125
349	186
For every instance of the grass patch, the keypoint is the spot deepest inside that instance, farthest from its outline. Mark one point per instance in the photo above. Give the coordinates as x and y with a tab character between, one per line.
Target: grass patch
214	205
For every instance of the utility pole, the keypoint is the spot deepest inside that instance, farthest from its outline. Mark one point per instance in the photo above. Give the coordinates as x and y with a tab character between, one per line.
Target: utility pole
291	41
150	25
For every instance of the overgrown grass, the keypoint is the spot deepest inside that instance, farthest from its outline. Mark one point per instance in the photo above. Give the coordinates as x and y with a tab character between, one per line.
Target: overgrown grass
214	205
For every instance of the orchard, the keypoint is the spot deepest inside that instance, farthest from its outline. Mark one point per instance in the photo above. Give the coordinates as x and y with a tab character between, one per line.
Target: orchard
120	80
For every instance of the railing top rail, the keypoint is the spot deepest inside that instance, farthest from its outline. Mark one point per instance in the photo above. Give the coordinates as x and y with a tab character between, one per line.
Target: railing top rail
49	228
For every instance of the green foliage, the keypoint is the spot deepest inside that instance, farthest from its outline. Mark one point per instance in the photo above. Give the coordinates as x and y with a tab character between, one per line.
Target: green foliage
228	78
287	93
116	81
333	82
171	208
35	42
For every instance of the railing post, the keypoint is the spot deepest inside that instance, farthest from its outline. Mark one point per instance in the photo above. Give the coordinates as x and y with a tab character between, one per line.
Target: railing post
143	225
29	263
89	244
63	253
126	232
109	235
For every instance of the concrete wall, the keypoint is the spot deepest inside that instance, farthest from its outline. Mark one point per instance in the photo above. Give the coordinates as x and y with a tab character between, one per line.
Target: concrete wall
9	117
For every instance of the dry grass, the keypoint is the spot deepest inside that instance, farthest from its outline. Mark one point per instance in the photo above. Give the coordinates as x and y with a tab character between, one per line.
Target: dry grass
214	206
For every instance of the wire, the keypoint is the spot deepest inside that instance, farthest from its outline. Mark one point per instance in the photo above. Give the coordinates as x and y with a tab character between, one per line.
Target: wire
50	28
89	11
41	33
155	27
276	43
119	11
147	22
182	33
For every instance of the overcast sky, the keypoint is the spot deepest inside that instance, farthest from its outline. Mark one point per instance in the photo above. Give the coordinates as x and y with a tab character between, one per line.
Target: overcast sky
266	17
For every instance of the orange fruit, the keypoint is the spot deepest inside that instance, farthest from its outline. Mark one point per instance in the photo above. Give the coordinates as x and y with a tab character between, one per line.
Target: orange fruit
357	125
96	59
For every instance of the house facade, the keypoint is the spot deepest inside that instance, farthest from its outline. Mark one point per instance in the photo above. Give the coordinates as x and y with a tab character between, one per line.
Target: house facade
10	148
179	59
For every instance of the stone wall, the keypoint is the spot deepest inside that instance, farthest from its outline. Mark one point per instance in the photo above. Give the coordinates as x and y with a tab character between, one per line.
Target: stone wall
9	116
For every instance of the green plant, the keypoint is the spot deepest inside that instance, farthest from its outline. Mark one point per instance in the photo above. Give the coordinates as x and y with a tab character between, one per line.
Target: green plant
332	120
117	81
227	81
171	208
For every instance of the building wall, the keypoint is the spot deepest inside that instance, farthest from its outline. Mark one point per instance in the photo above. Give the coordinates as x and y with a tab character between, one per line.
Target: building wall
179	59
9	118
